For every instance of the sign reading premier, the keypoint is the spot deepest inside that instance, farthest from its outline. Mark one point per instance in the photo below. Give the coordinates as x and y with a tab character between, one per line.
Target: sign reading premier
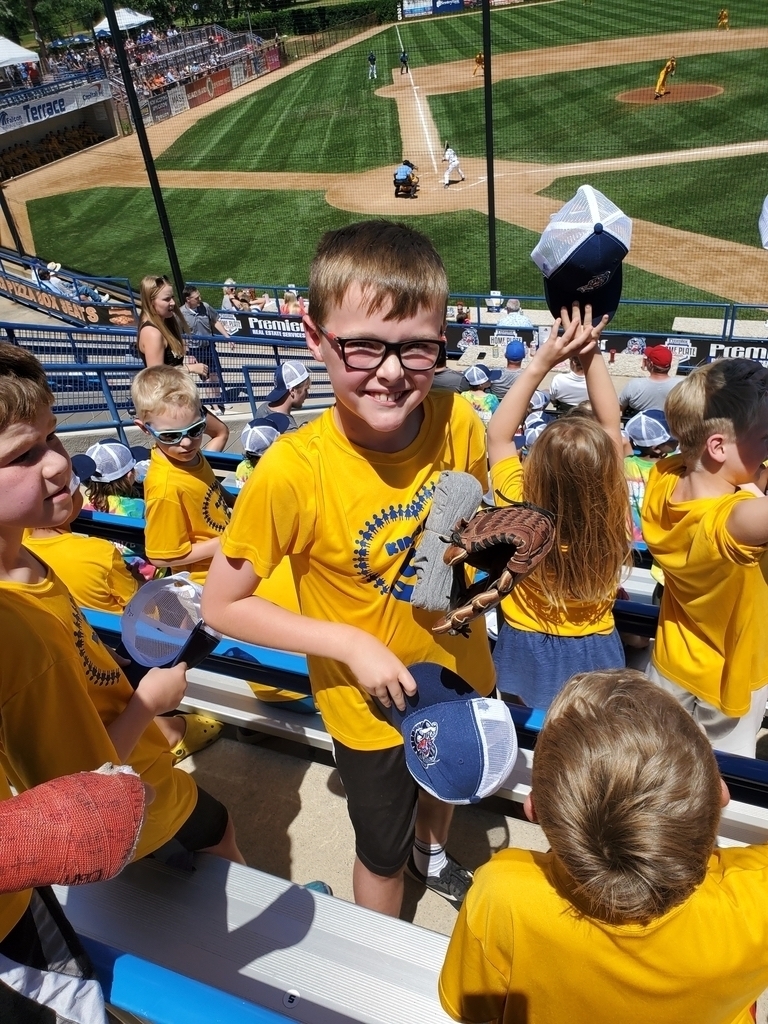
23	114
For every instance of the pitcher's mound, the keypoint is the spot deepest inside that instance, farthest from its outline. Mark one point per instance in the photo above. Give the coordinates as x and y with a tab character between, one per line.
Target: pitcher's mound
676	94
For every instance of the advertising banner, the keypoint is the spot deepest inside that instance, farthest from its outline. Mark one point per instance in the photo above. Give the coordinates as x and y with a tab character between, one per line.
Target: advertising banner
204	89
269	327
110	315
177	97
273	58
461	336
221	82
259	63
23	114
416	8
447	6
237	74
160	107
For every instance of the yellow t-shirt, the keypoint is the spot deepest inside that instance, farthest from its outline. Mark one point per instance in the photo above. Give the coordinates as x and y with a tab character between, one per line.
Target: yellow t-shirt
91	569
185	505
715	594
525	607
59	688
349	519
522	954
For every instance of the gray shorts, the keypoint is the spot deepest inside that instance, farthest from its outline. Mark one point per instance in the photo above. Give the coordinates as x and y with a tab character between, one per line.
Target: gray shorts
731	735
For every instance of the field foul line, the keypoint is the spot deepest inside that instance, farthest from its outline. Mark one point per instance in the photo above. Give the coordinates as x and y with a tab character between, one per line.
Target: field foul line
423	120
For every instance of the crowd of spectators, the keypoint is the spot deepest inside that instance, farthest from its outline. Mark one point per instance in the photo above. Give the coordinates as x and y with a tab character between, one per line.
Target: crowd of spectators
26	156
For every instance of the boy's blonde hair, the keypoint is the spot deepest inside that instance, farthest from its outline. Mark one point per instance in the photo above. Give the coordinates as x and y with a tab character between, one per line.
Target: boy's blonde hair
159	387
627	790
23	386
721	398
393	264
171	329
574	471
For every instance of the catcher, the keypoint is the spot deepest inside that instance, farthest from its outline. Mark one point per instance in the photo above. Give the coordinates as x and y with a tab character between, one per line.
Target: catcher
559	620
661	82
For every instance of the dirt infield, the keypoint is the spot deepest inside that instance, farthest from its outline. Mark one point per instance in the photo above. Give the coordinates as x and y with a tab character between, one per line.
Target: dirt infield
723	268
678	94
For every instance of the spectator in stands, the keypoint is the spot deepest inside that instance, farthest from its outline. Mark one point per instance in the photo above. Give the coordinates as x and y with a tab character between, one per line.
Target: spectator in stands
705	522
643	394
515	354
462	313
514	317
78	290
111	483
187	510
160	343
202	322
256	438
567	390
559	620
478	394
292	384
649	434
446	379
634	913
65	705
342	498
292	304
231	299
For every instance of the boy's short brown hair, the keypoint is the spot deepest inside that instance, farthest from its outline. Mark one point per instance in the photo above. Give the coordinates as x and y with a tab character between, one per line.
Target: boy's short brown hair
23	386
159	387
627	790
721	398
391	262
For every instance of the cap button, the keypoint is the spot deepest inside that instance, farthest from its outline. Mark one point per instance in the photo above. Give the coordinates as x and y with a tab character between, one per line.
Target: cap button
598	228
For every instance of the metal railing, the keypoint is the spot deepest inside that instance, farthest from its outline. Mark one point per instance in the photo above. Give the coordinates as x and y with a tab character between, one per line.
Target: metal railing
50	88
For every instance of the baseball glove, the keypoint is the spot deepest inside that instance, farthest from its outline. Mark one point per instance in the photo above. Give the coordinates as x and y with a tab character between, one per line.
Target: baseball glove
506	543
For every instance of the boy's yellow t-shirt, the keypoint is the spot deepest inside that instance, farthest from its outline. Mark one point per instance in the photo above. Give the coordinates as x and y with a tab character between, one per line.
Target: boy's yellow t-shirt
92	569
349	518
521	953
525	607
709	639
59	688
185	504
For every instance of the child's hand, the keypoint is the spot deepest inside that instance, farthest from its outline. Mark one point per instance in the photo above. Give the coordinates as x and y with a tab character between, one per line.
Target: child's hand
379	672
161	689
585	335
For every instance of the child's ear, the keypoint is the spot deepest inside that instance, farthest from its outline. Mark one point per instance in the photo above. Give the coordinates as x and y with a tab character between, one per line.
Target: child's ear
715	447
312	337
141	425
529	809
725	794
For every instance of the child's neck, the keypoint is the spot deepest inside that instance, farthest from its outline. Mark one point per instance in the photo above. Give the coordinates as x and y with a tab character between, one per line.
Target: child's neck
50	531
700	482
17	564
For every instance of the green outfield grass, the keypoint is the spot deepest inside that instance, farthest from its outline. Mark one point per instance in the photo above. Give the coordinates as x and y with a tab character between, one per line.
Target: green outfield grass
729	195
575	116
269	238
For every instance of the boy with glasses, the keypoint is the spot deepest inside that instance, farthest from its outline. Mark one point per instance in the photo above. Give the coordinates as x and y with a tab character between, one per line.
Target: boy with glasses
346	498
187	510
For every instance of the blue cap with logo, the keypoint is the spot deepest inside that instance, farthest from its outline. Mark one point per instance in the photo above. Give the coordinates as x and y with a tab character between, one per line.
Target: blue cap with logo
515	351
459	746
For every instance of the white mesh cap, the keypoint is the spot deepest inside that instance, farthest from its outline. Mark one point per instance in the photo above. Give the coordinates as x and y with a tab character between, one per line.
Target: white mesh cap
112	459
499	740
159	619
574	223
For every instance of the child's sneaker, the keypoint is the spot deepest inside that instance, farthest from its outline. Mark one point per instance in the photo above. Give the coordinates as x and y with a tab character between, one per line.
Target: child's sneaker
452	883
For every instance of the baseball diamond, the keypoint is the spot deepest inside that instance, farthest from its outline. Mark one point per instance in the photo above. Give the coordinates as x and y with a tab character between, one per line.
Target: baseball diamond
313	146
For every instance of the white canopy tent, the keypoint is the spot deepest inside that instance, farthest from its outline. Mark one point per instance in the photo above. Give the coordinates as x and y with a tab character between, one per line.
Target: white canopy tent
11	53
127	18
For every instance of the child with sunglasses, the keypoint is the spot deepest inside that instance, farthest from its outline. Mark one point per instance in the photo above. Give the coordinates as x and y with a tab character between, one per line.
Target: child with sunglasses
186	507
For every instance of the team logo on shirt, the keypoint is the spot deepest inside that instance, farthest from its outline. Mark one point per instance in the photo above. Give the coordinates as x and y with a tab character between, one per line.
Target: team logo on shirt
423	742
411	516
215	505
97	676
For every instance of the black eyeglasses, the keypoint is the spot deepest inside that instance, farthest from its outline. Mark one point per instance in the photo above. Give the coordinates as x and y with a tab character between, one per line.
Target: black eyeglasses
369	354
177	436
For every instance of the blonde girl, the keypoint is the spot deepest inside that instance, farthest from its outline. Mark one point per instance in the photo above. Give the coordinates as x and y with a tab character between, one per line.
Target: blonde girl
160	342
559	620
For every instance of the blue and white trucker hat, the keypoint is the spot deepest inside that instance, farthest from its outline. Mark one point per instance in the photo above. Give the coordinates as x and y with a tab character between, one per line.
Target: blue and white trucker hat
478	374
580	253
645	431
459	746
288	375
259	434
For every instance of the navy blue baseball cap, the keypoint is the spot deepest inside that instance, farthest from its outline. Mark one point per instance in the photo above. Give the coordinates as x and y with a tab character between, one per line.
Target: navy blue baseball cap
580	254
459	746
288	375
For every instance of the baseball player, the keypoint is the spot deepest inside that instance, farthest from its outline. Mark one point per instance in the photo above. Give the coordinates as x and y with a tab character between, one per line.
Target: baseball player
661	82
722	19
372	66
479	64
450	157
404	69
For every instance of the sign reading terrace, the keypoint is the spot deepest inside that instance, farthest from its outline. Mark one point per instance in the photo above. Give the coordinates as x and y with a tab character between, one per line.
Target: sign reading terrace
19	116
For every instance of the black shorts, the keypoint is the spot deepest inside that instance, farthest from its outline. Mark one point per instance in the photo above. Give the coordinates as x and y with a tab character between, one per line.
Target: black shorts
206	824
382	799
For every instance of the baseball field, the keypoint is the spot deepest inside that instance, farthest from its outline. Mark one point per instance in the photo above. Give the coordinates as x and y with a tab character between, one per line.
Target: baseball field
253	178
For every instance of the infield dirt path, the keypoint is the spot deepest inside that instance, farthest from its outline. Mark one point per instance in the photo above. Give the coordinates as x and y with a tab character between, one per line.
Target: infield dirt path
723	268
